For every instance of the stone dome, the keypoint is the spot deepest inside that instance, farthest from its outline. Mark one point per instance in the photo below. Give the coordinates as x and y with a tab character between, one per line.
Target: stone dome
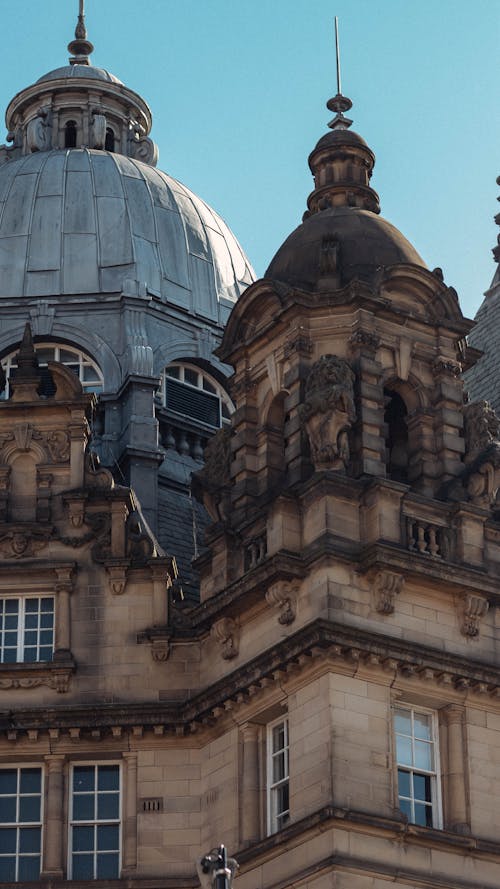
366	242
92	221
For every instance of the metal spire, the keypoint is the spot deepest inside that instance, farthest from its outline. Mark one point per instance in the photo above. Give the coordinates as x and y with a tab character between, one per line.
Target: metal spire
80	48
339	103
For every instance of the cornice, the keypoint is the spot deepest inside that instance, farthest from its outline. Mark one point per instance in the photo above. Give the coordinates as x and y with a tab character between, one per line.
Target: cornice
319	645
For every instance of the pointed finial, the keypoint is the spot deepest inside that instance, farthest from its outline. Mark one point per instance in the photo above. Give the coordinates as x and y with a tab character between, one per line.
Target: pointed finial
80	48
339	103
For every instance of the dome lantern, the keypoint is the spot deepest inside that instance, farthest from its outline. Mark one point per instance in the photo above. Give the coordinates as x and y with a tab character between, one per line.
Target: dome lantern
80	48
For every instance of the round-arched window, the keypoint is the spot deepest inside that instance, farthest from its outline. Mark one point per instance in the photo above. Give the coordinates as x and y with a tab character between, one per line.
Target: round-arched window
190	392
86	370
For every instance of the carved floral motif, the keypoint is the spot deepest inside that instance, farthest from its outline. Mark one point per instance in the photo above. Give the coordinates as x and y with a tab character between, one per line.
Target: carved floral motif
328	411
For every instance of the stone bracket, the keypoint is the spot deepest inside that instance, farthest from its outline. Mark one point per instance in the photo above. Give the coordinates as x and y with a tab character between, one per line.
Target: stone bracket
226	633
473	608
284	597
386	586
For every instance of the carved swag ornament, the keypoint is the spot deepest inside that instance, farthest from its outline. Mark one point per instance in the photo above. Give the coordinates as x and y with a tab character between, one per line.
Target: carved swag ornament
328	411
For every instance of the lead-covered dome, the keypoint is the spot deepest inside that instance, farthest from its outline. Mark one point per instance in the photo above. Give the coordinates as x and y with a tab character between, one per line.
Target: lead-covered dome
90	221
84	211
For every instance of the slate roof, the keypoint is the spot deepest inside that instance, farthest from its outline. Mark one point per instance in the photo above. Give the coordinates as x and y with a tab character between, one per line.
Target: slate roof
177	533
482	381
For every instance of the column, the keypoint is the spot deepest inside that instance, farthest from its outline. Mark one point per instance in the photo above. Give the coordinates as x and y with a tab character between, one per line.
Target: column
54	822
130	813
456	814
250	821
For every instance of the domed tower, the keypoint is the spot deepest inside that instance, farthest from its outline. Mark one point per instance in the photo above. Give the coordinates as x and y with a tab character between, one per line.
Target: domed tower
123	273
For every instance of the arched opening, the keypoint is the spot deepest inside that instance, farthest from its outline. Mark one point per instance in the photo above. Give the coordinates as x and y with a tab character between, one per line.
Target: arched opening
70	134
87	371
396	436
109	144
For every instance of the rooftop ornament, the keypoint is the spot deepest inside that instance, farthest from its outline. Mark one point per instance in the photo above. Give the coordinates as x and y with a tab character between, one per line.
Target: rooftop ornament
339	103
80	48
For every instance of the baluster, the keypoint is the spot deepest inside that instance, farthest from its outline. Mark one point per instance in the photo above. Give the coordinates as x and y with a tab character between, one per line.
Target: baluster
421	544
410	524
433	543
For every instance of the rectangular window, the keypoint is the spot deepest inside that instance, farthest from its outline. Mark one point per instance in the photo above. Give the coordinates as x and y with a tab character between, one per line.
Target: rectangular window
95	822
20	824
418	765
26	629
278	805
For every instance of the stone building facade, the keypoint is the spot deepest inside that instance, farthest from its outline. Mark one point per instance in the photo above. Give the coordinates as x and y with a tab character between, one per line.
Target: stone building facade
329	708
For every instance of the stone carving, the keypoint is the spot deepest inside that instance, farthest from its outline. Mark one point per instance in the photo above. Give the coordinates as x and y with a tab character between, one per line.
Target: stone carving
284	597
483	481
160	650
58	445
386	586
38	132
98	130
211	484
143	148
365	338
329	264
96	476
21	542
444	365
117	578
100	523
225	632
328	412
474	608
140	546
481	427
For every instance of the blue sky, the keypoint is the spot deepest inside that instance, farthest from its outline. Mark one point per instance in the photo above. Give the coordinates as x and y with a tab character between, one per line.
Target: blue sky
238	91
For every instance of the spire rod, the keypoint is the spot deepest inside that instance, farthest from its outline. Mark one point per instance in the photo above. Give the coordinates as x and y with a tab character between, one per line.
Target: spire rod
80	48
337	53
339	103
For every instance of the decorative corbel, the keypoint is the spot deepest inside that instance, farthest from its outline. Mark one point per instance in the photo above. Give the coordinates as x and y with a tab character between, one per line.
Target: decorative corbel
473	608
160	650
284	597
225	632
117	578
386	586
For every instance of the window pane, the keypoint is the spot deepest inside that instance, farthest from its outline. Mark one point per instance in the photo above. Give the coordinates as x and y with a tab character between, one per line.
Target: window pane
29	808
29	867
422	726
423	755
422	788
108	806
29	839
83	778
107	866
83	839
46	620
66	355
423	815
7	870
31	606
107	837
405	807
11	606
403	747
278	737
83	807
282	798
83	867
402	721
8	781
190	376
403	783
31	781
8	809
47	604
108	778
31	621
7	839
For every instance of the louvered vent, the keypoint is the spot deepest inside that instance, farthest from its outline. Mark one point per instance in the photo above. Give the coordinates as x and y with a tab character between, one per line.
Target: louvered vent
191	402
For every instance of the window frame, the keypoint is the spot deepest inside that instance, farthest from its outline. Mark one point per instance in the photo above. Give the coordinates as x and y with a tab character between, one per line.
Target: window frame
22	614
95	821
226	406
434	774
83	360
17	825
274	822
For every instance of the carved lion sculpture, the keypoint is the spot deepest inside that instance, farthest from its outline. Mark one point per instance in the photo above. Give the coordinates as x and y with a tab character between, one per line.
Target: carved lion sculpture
328	411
